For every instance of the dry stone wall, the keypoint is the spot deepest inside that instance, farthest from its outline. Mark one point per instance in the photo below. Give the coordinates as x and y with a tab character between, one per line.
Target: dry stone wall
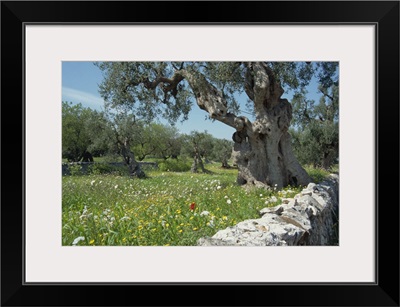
310	218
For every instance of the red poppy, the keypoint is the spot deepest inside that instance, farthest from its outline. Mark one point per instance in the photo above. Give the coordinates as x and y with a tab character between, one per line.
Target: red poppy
192	206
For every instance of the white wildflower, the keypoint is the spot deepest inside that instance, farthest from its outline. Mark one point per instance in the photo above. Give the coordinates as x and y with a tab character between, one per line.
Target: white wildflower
204	213
228	201
219	187
92	182
226	197
77	240
84	213
116	186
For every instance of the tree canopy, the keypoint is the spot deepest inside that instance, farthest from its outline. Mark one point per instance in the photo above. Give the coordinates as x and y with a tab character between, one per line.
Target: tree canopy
75	133
154	89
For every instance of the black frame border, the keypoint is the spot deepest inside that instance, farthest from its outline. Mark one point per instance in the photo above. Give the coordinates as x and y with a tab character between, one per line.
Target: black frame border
16	14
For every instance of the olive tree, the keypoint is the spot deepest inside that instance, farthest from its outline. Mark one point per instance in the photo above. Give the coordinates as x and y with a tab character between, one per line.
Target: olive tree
222	151
197	145
164	139
316	125
117	132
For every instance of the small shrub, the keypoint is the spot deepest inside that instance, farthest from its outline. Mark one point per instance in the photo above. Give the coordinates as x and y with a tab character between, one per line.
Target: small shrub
317	174
174	165
334	169
105	168
100	168
75	170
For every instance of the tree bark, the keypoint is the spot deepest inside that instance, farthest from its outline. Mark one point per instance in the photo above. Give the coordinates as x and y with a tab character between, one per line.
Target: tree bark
225	163
197	161
134	167
87	157
194	167
326	160
262	149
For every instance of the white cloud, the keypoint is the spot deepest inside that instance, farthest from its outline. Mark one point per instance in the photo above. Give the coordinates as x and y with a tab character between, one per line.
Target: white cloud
86	99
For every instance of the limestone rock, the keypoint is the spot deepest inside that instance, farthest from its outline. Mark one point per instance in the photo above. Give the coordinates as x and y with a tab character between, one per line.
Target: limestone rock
307	219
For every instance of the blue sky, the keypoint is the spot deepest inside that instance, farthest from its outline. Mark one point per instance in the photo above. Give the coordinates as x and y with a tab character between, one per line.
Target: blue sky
80	82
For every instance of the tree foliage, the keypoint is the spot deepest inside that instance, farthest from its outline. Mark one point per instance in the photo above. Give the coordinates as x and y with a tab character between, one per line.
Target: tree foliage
316	131
151	89
106	133
161	141
198	146
222	151
75	134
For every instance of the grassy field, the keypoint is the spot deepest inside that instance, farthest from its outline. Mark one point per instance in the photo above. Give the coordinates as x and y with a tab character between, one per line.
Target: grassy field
167	208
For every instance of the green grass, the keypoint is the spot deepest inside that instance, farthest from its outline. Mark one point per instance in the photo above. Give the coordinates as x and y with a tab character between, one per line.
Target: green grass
319	174
157	211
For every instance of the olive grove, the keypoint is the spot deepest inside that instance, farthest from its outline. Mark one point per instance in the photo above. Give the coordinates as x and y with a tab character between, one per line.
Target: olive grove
262	147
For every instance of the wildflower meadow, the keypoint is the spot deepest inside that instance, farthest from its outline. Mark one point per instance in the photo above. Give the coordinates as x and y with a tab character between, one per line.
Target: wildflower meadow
165	209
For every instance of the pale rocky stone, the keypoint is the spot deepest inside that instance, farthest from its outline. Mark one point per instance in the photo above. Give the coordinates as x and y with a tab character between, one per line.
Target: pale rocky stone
305	192
307	219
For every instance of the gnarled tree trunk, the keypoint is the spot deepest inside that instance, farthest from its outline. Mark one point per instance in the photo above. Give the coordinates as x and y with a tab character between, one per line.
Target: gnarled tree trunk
197	161
262	149
129	158
224	163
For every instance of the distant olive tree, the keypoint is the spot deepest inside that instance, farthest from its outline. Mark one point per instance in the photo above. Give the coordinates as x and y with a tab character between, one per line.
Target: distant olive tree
222	151
163	140
117	131
316	130
198	146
